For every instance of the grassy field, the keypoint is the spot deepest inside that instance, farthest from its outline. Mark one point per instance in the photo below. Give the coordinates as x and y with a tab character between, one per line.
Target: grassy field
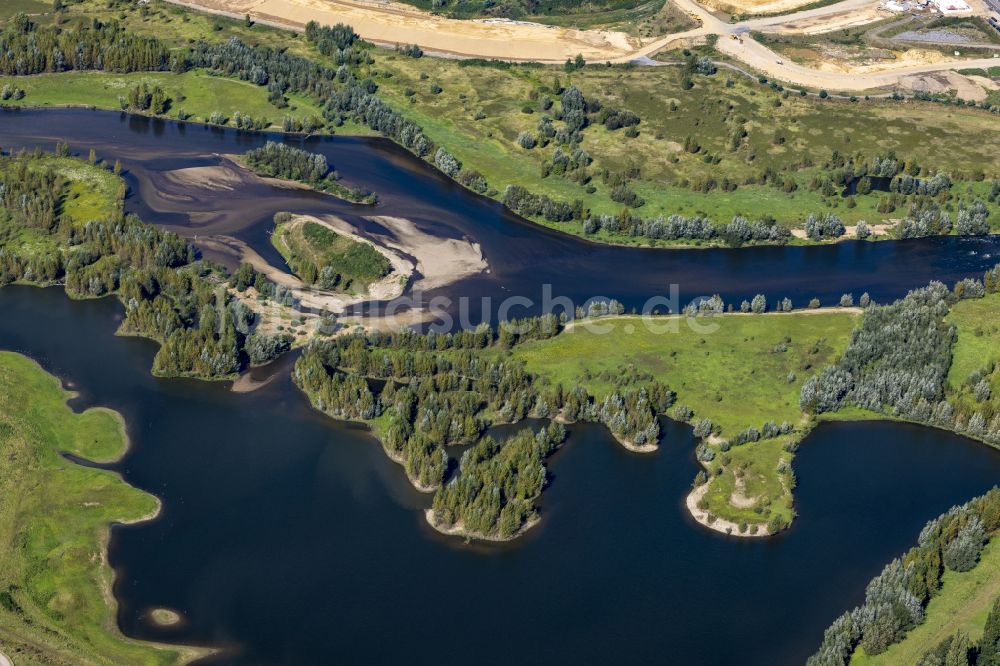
94	193
307	244
737	376
480	112
194	92
733	375
962	604
977	349
9	8
54	517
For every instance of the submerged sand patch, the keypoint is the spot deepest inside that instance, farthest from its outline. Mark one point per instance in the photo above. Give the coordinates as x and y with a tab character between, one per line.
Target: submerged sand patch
222	178
164	617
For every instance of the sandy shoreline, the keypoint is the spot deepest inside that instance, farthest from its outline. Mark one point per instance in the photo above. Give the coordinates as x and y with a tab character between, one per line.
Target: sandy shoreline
165	617
439	261
458	530
719	524
635	448
387	288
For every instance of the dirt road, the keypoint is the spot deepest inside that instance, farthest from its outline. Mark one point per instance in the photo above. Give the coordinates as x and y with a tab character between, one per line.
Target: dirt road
763	59
759	57
394	23
822	19
389	23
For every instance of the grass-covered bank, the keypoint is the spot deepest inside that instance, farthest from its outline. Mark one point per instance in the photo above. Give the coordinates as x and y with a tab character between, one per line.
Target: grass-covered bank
62	223
730	373
973	379
192	95
936	605
55	584
963	604
630	144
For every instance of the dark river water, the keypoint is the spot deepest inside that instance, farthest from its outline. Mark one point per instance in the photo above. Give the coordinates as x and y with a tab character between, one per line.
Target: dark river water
290	539
523	258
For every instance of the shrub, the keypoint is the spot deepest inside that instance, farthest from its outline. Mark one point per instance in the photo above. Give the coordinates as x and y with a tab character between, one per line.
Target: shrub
962	553
828	225
526	140
624	195
447	162
973	219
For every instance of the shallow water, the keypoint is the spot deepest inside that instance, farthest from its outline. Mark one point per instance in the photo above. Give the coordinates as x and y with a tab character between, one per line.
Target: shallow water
291	539
523	257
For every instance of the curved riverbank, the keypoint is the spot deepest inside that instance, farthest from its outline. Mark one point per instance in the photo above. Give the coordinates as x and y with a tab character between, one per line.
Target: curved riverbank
520	257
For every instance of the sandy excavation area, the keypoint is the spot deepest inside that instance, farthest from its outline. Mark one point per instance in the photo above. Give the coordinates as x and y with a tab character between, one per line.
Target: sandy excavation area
757	6
821	23
396	23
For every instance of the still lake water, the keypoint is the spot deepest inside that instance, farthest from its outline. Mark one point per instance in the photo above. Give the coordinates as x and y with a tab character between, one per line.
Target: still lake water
290	539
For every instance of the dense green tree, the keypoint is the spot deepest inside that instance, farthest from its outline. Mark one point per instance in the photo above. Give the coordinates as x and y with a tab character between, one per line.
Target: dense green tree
989	646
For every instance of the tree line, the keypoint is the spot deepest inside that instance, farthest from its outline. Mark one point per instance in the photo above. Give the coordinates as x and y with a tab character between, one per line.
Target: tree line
898	360
27	48
427	392
283	161
168	295
497	483
896	599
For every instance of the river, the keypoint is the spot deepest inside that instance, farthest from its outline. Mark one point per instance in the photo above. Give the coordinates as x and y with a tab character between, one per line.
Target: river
287	538
523	257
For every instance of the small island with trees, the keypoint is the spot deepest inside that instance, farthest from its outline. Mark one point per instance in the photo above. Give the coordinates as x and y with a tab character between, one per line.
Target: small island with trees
279	160
322	256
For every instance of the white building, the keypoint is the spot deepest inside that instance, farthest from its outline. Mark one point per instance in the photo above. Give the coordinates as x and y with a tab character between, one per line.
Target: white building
948	7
